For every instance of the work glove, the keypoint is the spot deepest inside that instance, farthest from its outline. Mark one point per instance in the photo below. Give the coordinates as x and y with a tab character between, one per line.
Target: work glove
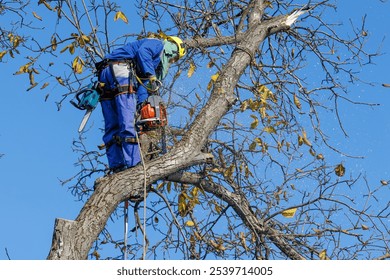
153	84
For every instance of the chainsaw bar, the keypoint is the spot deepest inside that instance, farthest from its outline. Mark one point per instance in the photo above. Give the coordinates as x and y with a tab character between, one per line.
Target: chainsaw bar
84	120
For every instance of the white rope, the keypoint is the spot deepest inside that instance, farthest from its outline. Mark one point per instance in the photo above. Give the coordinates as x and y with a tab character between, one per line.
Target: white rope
145	187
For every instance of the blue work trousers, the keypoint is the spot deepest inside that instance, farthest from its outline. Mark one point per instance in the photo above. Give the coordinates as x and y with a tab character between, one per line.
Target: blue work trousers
119	115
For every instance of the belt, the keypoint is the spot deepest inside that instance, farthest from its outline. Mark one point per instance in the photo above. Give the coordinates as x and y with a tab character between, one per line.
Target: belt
110	94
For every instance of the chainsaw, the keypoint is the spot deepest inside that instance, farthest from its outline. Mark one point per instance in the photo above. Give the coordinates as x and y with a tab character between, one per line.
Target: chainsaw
152	116
87	99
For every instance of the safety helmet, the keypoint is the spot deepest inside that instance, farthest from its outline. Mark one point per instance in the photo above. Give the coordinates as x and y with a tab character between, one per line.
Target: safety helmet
181	50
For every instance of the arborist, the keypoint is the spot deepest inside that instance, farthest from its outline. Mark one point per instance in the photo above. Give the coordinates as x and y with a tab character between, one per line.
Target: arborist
128	75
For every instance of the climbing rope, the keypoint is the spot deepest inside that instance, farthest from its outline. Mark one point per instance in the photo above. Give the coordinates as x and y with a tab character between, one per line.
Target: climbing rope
145	193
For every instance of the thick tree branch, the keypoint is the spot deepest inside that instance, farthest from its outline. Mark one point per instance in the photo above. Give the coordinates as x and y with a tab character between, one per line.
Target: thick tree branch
242	207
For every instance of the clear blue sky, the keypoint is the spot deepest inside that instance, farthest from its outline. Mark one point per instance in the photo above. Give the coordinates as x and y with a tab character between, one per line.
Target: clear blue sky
36	140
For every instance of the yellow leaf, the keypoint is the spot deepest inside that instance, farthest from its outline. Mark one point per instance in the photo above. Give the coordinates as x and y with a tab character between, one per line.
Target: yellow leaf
218	208
160	186
268	4
263	89
182	205
255	122
65	48
85	38
77	65
253	105
252	146
195	191
248	173
300	140
120	15
320	156
189	223
364	227
191	70
36	16
44	85
269	129
47	5
263	112
2	54
15	40
244	105
304	138
297	102
23	69
340	170
229	172
71	48
31	77
214	77
322	255
59	79
289	213
212	81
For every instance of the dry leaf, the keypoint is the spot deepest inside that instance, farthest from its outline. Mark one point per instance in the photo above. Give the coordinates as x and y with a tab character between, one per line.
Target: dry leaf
44	85
304	138
255	122
191	70
36	16
189	223
322	255
364	227
297	102
59	79
120	15
2	54
77	65
269	129
320	156
340	170
289	213
212	81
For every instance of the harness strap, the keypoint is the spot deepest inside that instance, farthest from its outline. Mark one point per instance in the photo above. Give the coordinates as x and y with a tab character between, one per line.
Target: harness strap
110	94
118	141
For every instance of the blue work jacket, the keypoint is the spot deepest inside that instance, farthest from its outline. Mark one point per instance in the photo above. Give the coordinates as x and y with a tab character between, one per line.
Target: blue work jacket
145	52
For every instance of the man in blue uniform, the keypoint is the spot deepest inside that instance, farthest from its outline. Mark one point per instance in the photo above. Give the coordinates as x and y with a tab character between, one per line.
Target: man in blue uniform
146	60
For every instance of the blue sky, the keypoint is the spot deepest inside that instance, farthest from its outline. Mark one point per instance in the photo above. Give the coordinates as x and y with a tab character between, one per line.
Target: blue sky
36	141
